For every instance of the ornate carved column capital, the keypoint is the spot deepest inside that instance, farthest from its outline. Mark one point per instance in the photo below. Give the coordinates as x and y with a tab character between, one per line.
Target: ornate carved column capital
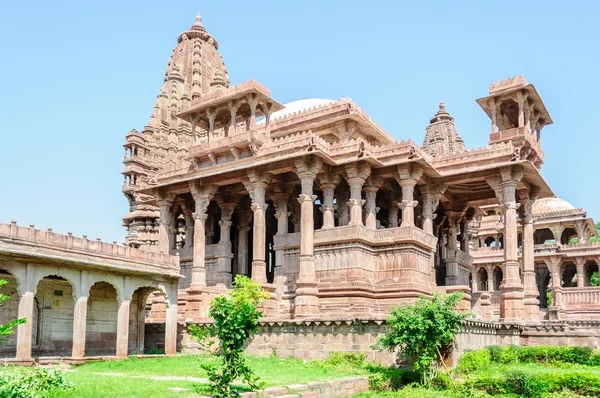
256	206
407	203
352	202
202	216
304	198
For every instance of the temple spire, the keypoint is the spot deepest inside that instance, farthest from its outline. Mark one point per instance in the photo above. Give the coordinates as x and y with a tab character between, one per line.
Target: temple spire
441	137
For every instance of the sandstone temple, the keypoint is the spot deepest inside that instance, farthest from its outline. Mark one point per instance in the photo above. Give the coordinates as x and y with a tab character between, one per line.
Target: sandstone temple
337	219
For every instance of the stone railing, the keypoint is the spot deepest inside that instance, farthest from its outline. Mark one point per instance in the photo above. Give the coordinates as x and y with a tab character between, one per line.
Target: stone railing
51	240
581	296
184	253
359	233
239	138
517	134
218	250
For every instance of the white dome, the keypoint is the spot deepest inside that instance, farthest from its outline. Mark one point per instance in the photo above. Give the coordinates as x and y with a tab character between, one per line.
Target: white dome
547	205
299	105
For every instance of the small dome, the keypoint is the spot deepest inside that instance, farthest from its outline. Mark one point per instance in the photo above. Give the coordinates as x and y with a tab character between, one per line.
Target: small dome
547	205
300	105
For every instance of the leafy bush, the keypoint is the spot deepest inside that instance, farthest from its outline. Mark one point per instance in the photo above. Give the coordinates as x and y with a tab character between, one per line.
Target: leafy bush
529	354
155	351
473	360
594	279
421	330
235	320
538	385
503	354
34	382
7	329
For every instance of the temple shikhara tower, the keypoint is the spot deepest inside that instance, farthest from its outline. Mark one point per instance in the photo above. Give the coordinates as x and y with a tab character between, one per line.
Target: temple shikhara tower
338	219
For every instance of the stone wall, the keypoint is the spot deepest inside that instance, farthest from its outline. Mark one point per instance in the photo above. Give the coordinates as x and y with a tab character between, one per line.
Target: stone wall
308	339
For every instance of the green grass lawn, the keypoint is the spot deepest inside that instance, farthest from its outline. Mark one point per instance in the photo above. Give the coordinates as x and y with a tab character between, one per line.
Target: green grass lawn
132	377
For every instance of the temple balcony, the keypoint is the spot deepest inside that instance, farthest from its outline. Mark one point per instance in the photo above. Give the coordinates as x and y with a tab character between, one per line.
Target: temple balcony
529	148
360	234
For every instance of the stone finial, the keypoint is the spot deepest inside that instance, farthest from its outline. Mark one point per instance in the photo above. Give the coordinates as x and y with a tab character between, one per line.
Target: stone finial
198	23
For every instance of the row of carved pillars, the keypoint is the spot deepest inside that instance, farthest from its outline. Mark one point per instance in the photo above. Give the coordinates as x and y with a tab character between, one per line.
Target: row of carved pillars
27	293
306	301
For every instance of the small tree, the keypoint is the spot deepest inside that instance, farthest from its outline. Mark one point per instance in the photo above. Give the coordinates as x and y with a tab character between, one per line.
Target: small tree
8	329
236	318
422	329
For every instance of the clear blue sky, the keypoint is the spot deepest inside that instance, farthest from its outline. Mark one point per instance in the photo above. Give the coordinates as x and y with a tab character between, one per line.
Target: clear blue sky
78	75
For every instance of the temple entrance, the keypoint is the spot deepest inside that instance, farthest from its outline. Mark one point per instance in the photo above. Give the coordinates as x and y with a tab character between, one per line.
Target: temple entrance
482	280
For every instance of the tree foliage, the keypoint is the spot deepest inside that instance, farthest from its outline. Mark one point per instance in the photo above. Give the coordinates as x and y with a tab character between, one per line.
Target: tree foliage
422	330
596	238
236	318
8	329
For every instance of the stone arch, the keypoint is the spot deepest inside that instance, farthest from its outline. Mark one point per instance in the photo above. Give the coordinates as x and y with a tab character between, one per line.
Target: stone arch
589	269
482	279
147	319
102	314
53	313
116	282
489	241
498	275
71	276
567	235
542	235
568	275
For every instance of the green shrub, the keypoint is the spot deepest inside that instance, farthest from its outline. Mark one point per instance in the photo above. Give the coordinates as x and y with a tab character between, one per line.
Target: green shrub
346	359
422	330
235	320
33	382
473	360
503	354
537	385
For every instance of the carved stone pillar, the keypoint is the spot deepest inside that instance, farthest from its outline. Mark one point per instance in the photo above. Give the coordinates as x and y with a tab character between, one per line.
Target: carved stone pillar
431	200
408	176
189	228
328	183
580	264
123	328
202	196
531	301
393	213
490	275
557	233
452	273
245	217
166	220
357	174
554	263
371	188
342	207
224	276
257	187
282	214
504	185
25	330
306	302
581	237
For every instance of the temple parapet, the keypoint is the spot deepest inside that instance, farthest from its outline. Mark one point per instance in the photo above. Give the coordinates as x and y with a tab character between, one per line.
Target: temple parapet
96	252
